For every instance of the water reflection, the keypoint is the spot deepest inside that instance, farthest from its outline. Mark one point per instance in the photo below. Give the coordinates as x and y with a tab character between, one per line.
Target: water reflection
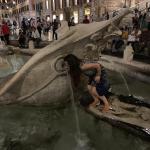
44	128
137	88
11	64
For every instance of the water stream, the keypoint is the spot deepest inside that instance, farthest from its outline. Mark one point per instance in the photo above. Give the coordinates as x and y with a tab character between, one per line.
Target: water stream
74	107
122	76
81	138
11	64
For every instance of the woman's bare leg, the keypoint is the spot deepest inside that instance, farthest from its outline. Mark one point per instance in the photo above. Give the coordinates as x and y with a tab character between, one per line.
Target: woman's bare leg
106	104
96	99
103	98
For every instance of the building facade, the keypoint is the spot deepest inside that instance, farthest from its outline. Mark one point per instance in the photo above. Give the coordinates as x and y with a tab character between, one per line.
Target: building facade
49	9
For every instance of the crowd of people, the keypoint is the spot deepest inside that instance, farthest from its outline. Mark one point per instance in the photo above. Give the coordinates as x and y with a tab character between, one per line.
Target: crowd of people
134	37
29	29
138	34
37	29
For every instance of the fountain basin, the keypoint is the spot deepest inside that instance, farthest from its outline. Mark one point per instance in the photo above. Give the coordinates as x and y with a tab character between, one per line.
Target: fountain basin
132	117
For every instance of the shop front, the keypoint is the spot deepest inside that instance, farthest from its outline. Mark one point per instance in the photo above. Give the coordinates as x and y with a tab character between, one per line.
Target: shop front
76	16
87	12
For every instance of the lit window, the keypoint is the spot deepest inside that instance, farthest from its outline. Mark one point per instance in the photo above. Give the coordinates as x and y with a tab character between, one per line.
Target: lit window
47	4
48	18
60	3
75	14
53	4
61	17
54	17
88	1
67	3
75	2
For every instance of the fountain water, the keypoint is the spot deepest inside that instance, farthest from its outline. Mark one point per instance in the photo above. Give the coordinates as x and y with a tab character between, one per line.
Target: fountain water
16	62
81	138
126	84
74	106
122	76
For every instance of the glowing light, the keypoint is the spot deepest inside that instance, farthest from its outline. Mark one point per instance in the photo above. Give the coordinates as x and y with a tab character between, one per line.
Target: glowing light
61	16
67	3
14	2
75	14
60	3
75	2
54	17
47	4
53	4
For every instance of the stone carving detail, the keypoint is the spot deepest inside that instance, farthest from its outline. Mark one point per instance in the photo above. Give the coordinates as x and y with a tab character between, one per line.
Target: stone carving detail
93	50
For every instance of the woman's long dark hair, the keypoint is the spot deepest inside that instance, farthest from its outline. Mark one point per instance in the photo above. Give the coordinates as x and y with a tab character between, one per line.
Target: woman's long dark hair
75	70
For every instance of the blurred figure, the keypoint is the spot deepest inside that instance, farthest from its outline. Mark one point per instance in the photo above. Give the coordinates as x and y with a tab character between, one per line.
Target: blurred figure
21	39
55	27
58	21
128	53
1	33
6	32
107	16
86	20
36	37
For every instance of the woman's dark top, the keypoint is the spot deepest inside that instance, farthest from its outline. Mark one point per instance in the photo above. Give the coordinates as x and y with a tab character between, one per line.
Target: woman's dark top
101	87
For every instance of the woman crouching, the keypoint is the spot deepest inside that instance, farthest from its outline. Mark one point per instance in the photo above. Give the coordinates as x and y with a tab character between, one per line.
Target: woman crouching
97	85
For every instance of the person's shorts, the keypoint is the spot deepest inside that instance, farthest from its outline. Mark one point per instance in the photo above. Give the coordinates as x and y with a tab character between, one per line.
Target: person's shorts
102	89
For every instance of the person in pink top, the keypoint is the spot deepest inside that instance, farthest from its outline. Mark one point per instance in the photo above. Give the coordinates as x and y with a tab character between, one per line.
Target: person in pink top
6	32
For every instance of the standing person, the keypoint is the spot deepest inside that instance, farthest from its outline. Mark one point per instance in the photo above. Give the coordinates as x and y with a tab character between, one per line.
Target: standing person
69	23
6	32
22	39
144	24
36	37
58	20
107	16
55	27
97	85
128	53
1	33
15	26
39	28
148	19
23	25
86	20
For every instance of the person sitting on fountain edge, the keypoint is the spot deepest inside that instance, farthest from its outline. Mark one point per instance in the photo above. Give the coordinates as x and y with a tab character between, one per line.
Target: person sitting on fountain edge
97	85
